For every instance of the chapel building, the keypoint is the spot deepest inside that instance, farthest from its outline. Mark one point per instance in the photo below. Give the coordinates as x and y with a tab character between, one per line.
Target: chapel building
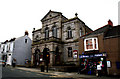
59	37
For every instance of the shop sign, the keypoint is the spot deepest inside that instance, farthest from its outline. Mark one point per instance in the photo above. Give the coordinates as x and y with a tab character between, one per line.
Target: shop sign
75	52
108	64
84	56
95	55
98	55
91	56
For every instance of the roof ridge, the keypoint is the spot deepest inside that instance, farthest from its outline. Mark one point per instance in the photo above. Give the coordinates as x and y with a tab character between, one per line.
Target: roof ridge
49	12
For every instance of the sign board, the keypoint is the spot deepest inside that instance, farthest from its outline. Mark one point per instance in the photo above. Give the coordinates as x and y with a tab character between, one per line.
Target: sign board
75	53
84	56
94	55
108	64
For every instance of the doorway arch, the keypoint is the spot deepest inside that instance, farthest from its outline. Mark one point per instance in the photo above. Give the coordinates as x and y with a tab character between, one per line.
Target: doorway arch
37	57
46	54
57	56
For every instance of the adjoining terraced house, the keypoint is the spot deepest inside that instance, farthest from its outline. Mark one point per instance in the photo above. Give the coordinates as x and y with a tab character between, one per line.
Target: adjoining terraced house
101	48
59	36
16	48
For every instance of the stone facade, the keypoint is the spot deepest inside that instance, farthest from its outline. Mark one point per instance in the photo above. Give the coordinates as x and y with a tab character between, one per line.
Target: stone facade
60	35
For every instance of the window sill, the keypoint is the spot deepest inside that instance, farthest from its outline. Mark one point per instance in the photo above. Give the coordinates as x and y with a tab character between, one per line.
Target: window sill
69	38
90	49
70	57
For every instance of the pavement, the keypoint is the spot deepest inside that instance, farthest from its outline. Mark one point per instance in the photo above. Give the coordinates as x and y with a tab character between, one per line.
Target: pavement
73	75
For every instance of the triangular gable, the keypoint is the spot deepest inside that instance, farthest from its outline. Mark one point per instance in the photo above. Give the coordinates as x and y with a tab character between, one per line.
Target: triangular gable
50	14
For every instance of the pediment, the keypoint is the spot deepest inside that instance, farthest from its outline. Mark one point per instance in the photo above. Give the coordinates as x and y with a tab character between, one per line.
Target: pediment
50	14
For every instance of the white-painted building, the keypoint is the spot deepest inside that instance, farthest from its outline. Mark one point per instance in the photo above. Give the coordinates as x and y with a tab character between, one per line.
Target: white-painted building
3	50
22	50
19	48
10	47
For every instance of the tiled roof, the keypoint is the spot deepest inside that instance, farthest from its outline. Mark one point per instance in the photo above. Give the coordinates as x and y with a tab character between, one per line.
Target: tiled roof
13	39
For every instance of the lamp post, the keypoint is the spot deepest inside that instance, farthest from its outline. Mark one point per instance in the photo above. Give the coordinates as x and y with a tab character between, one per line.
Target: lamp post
46	57
47	60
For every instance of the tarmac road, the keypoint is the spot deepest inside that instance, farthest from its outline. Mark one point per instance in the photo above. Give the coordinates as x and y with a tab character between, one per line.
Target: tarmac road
14	73
35	73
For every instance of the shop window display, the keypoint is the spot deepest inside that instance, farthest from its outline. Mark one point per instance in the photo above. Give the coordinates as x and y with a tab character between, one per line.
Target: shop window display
89	65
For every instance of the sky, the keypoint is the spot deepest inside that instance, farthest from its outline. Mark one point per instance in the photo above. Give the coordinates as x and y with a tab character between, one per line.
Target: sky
17	16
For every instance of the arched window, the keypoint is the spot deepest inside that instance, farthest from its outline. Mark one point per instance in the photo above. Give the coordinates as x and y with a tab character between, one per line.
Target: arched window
46	33
80	32
69	32
36	37
37	57
54	31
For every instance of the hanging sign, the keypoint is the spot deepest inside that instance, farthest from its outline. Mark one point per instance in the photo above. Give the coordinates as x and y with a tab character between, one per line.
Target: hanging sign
75	53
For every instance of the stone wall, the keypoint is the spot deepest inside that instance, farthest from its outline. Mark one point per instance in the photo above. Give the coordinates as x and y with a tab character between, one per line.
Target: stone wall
62	23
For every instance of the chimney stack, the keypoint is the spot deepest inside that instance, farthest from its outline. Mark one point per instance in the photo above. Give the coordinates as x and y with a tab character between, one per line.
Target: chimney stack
110	22
26	33
33	29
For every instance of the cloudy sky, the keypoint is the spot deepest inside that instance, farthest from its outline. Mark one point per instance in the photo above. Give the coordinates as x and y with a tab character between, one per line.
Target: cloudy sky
16	16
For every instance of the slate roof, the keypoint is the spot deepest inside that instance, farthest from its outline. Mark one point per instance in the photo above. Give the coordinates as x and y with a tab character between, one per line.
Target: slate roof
13	39
114	31
99	30
68	20
73	19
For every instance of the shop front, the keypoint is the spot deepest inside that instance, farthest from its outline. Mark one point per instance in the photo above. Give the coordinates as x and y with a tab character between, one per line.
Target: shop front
89	63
